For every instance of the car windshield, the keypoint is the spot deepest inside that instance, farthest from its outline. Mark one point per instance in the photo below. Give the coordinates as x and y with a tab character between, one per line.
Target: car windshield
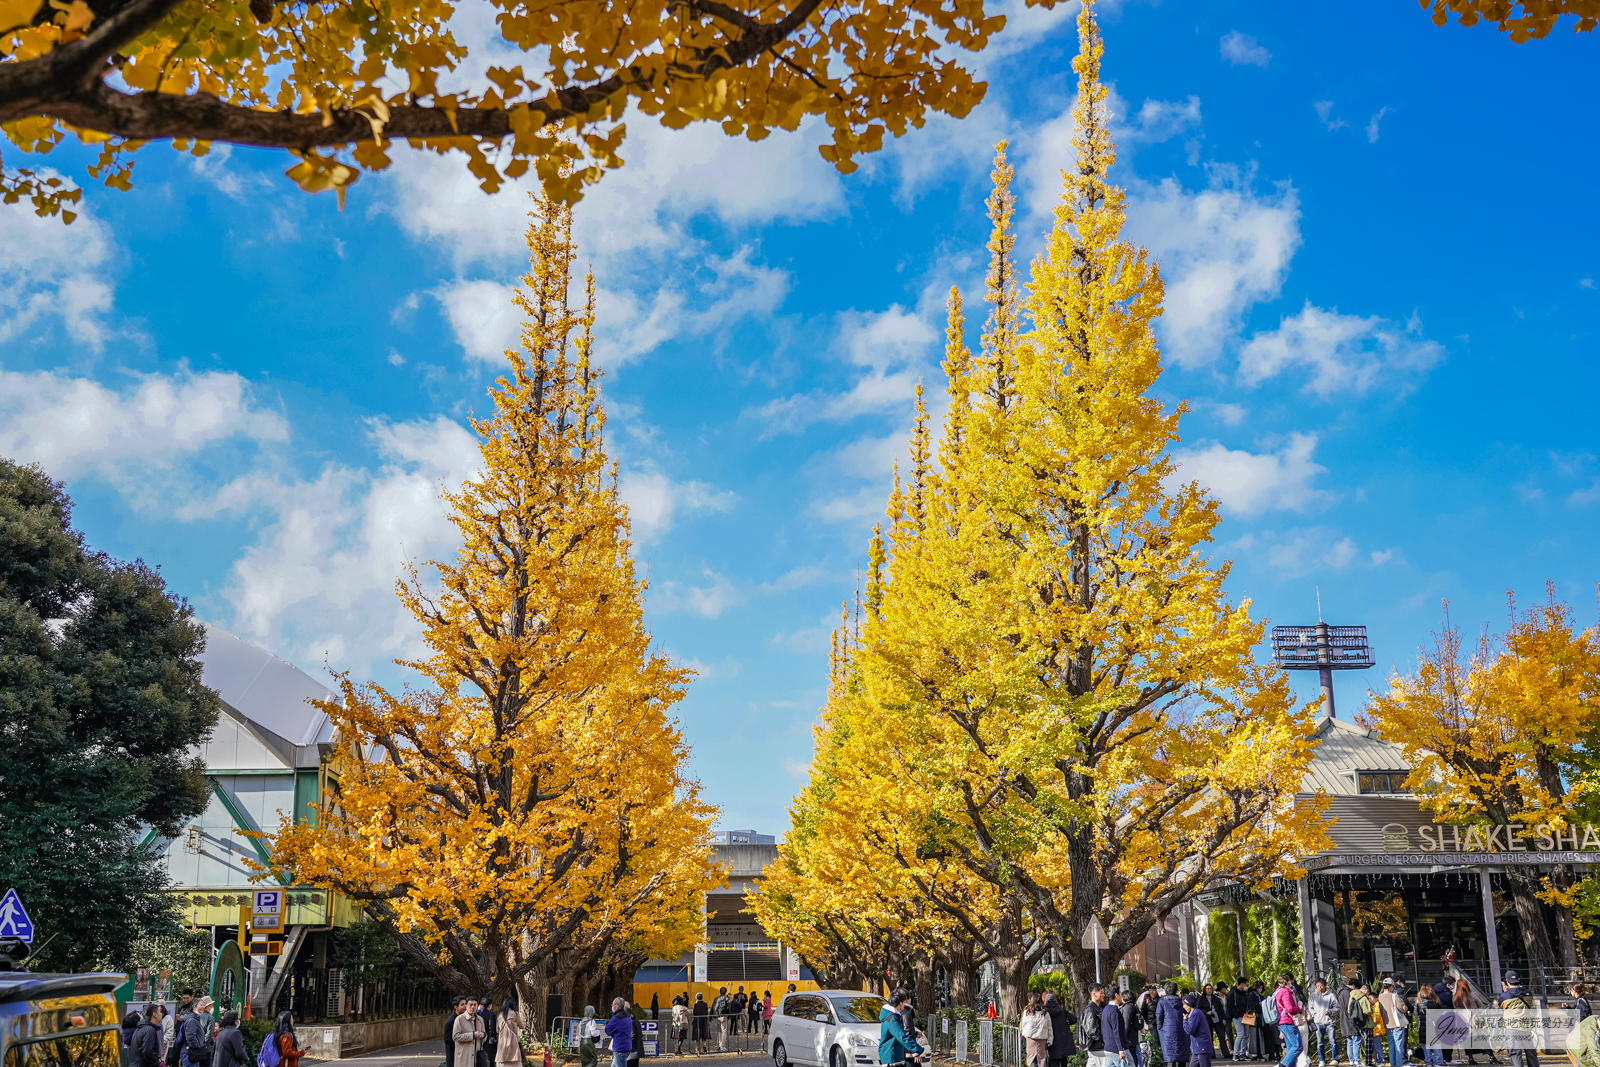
857	1009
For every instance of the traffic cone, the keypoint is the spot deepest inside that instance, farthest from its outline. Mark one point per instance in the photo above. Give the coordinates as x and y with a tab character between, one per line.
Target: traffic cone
547	1056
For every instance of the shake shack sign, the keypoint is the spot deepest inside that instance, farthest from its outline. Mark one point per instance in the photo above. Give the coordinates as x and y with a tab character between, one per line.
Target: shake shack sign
1505	837
1374	831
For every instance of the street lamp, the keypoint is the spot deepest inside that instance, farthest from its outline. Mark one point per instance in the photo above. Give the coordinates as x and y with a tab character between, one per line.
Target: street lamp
1324	649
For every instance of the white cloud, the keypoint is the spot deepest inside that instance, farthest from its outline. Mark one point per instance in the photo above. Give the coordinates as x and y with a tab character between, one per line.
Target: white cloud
1342	353
1241	49
1221	250
1249	483
52	270
707	601
890	347
484	319
1586	283
1309	550
670	177
1372	126
794	767
654	500
133	437
319	580
1324	109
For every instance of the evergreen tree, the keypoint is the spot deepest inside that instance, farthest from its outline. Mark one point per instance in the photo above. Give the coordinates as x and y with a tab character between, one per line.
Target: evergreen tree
101	707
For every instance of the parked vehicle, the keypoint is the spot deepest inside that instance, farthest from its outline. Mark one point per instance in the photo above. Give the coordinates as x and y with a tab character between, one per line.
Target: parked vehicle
55	1020
825	1028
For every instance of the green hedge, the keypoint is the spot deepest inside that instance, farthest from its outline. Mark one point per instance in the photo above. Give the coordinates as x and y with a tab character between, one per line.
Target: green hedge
1222	938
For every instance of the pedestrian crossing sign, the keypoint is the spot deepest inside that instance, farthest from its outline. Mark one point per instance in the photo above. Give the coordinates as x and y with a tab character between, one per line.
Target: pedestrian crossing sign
14	921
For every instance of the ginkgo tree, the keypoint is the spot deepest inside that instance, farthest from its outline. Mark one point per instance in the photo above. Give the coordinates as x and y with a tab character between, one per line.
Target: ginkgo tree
1492	731
528	804
1052	696
1523	20
337	82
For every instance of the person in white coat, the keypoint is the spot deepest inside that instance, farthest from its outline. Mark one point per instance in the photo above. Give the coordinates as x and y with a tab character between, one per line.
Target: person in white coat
1037	1030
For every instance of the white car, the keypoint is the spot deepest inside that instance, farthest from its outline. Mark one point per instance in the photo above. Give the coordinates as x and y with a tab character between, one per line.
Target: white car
826	1028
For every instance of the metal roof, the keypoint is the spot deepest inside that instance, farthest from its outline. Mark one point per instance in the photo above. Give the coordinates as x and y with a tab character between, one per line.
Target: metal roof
267	693
1343	748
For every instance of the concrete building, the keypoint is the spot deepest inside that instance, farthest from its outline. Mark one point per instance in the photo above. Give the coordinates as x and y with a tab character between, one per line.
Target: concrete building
735	950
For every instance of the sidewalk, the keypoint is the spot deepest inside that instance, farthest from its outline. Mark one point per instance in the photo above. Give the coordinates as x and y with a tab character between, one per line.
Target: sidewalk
421	1054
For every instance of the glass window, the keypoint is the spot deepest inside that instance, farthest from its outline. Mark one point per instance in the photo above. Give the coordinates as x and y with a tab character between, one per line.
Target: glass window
94	1049
1382	781
804	1007
863	1009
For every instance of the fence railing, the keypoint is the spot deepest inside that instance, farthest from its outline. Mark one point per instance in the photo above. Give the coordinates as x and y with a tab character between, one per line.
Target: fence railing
728	1032
320	994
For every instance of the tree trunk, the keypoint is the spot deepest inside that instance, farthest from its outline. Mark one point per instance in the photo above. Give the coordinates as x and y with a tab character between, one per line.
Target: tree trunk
922	967
958	963
1565	933
1012	969
1530	916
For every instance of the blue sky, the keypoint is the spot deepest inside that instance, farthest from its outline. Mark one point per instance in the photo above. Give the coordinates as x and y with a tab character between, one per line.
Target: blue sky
1380	244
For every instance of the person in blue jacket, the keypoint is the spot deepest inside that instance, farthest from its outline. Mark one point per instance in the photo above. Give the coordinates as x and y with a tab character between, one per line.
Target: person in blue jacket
1198	1030
1169	1025
894	1044
619	1028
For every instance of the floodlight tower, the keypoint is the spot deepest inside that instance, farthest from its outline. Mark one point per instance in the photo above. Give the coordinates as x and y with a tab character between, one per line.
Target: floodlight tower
1322	648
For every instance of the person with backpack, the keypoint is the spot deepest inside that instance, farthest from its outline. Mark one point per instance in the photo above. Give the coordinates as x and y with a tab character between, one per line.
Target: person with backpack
282	1046
1580	1001
1132	1024
894	1044
1290	1014
1516	1002
736	1008
720	1012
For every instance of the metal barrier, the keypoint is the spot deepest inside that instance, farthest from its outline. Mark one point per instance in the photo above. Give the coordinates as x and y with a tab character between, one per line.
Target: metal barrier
740	1035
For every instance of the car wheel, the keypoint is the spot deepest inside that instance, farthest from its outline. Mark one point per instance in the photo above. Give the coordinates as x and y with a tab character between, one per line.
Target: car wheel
837	1059
780	1057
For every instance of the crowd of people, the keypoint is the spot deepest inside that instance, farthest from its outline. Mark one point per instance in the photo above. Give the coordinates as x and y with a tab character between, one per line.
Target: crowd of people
193	1036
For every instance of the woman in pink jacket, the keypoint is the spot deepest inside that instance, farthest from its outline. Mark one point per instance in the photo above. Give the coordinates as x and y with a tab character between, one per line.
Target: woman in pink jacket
1291	1013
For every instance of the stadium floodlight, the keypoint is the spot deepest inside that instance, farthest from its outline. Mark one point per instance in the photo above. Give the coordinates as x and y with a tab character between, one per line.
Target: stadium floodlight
1324	649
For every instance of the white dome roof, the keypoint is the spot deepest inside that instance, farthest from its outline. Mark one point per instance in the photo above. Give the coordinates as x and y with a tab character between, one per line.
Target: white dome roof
269	693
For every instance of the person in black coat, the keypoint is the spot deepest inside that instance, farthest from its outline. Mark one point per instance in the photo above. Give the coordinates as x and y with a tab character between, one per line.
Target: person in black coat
230	1043
1061	1026
457	1006
144	1048
1132	1023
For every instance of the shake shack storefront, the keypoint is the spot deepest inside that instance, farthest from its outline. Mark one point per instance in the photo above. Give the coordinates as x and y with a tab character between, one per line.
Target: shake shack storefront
1397	892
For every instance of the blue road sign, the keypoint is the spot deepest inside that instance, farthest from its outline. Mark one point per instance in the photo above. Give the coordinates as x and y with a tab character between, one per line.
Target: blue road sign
14	921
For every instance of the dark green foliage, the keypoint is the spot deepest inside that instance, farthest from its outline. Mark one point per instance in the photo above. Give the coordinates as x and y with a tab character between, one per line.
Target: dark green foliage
101	705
